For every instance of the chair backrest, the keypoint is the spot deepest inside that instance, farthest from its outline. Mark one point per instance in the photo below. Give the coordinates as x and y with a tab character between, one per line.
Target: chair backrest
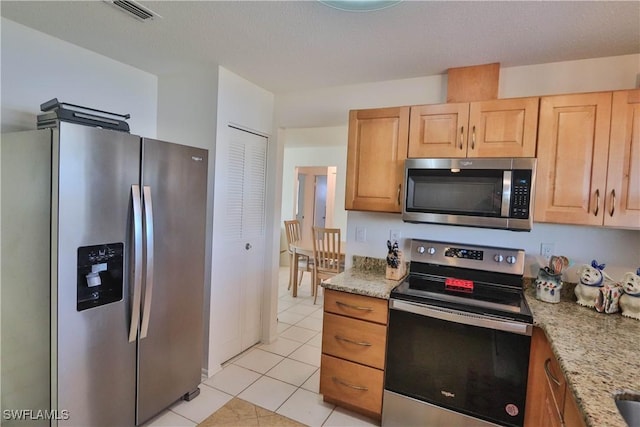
326	249
292	229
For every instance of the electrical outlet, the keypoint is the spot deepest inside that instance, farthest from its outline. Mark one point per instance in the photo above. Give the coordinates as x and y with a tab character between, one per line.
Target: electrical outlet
546	250
395	235
361	234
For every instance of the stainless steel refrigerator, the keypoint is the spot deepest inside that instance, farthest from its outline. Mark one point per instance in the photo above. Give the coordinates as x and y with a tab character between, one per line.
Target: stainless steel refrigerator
103	239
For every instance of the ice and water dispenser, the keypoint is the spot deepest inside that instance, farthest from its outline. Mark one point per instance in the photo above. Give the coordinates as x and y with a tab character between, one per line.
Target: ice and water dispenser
100	275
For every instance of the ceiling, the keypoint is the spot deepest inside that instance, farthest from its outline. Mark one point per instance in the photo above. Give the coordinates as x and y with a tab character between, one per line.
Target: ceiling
298	45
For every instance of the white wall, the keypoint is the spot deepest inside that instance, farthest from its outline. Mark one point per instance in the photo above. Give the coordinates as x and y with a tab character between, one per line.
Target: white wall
37	67
314	147
249	107
187	112
330	106
620	249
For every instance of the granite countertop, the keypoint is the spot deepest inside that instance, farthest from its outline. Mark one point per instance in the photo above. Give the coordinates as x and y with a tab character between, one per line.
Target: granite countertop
365	278
599	353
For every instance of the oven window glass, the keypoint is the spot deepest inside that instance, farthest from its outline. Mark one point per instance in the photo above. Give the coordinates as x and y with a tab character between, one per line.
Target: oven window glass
476	371
467	192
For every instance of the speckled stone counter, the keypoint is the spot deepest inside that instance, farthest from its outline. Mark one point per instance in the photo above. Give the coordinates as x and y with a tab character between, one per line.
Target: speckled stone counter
365	278
599	353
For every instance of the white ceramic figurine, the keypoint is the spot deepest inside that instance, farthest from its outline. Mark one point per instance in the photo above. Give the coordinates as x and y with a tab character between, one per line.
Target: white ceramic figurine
591	280
630	300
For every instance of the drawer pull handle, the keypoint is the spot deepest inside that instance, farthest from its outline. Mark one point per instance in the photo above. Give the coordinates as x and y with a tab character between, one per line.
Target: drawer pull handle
356	387
362	343
355	307
547	371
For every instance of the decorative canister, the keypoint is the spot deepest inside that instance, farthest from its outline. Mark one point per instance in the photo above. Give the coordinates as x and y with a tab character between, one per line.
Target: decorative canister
549	280
591	280
548	285
608	298
630	300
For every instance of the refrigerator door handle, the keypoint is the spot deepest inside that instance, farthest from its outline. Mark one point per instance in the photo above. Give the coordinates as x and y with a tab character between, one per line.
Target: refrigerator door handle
148	227
137	262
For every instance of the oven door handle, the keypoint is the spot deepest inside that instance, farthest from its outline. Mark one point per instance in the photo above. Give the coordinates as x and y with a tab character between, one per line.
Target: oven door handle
461	317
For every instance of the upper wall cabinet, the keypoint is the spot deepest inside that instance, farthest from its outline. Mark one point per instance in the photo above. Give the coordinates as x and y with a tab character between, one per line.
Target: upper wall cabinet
589	159
497	128
623	175
376	152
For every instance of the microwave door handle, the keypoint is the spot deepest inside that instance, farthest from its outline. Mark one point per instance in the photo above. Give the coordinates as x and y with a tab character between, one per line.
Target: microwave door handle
507	179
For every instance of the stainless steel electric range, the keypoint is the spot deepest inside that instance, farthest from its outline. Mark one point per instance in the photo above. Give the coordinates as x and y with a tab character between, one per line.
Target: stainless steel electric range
458	338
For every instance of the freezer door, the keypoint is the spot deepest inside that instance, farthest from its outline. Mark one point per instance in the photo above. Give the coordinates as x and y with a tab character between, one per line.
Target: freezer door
94	367
170	343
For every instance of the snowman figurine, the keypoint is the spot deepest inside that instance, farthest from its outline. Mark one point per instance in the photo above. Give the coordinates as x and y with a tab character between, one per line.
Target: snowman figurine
630	299
591	280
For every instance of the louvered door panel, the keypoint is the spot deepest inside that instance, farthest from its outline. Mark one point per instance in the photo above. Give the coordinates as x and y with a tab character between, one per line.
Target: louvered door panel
239	242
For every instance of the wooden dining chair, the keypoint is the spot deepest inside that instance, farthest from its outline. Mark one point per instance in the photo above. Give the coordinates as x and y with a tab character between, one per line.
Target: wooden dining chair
326	255
293	233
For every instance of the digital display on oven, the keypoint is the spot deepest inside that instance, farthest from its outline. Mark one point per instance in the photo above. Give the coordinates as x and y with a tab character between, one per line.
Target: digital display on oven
464	253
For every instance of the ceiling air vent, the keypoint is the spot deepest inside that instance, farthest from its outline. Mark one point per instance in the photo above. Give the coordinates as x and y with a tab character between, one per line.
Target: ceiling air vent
134	9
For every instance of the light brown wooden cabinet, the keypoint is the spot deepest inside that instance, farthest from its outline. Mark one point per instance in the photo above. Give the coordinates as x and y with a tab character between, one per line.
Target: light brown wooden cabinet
497	128
375	159
549	400
589	159
354	337
622	204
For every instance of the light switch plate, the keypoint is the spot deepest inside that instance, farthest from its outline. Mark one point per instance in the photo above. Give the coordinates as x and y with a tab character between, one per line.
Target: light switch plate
361	234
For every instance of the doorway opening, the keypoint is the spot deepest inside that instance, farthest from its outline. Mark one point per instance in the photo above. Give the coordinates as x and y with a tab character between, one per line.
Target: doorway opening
314	197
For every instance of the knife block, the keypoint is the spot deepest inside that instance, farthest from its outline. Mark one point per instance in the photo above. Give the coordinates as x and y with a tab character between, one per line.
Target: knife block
397	273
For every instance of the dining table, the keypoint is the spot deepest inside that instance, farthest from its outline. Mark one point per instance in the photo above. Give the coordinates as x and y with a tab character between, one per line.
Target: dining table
304	247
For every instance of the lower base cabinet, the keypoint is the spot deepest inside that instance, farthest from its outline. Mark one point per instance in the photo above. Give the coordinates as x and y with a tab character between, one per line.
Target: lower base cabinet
549	399
354	337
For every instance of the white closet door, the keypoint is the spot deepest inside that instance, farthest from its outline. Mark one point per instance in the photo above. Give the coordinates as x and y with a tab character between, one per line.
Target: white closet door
238	243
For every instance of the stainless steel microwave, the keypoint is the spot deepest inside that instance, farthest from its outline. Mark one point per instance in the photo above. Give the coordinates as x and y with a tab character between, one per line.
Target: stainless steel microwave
476	192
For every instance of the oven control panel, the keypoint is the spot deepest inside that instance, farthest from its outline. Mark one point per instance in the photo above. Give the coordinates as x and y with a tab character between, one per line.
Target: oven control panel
489	258
453	252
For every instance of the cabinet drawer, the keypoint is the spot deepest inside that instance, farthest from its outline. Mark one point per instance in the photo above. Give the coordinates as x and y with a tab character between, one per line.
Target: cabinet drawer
354	340
356	306
356	386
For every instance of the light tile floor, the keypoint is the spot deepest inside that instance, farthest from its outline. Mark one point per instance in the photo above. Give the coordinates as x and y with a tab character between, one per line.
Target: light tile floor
283	376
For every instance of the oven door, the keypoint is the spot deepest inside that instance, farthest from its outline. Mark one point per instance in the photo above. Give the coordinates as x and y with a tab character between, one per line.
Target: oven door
456	365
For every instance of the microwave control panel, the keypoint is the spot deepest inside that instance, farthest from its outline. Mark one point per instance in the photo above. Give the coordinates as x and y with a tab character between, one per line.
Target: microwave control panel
520	194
